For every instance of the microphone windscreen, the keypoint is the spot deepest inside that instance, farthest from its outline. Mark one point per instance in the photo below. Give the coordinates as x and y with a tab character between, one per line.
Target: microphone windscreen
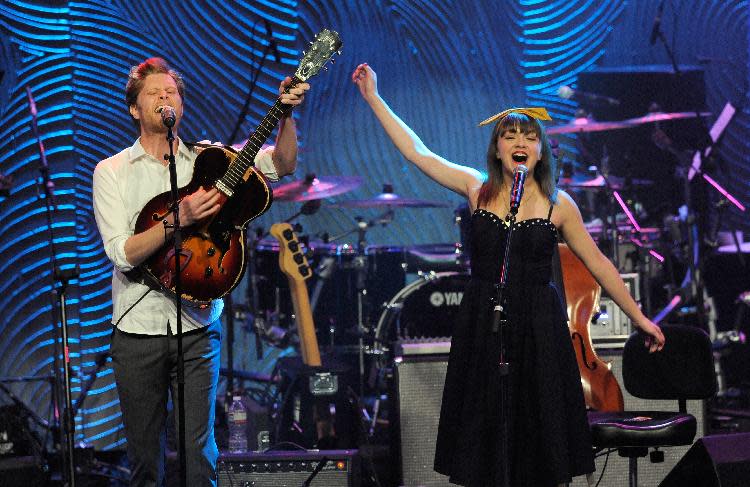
168	116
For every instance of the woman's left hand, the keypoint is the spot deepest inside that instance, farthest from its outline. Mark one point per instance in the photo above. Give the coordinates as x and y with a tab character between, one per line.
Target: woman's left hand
654	337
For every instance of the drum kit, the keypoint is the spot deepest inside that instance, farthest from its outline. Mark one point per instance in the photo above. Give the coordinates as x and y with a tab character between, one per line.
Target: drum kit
354	285
382	292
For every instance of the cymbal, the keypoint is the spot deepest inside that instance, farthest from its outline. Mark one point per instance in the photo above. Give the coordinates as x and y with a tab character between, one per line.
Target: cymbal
315	188
597	228
615	182
664	117
587	125
390	200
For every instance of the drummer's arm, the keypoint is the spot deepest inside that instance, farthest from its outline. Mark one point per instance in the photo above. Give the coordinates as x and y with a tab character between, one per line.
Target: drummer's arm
580	242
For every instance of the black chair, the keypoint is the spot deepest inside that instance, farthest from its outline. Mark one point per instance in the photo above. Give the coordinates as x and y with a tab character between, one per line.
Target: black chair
683	370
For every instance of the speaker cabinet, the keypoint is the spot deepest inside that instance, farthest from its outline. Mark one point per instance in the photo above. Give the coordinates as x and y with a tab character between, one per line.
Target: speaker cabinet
419	382
714	461
289	469
616	472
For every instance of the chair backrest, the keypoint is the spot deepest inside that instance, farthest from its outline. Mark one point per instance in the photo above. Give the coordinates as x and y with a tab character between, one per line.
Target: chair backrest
684	369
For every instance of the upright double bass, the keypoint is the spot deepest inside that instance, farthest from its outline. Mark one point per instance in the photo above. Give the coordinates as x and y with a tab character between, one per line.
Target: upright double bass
600	387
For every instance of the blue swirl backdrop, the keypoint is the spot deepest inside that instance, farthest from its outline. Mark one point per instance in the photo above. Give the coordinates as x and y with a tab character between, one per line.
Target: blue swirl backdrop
443	66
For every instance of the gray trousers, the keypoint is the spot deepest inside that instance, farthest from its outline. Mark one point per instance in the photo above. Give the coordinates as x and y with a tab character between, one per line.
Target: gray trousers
146	372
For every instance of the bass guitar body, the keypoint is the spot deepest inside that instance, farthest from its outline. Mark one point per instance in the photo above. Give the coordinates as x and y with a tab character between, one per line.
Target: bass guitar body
213	252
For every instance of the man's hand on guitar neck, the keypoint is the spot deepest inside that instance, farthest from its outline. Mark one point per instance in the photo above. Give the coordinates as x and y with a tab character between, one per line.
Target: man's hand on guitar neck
296	95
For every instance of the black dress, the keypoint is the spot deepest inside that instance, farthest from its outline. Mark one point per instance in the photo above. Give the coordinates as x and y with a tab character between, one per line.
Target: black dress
549	439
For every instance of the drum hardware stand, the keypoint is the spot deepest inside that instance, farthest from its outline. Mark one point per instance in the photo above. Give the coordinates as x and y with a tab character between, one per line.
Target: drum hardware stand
709	138
644	253
692	285
610	228
324	271
361	268
63	276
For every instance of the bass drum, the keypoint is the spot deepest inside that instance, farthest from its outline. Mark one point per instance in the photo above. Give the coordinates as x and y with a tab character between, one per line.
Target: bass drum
425	308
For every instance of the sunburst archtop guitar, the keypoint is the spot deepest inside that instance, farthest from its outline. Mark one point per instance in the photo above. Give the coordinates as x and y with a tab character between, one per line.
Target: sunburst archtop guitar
212	259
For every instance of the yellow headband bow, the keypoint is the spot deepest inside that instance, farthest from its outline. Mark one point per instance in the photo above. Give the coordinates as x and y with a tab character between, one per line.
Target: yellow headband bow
538	113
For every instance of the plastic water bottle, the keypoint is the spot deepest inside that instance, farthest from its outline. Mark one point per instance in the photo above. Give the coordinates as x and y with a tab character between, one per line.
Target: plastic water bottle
237	426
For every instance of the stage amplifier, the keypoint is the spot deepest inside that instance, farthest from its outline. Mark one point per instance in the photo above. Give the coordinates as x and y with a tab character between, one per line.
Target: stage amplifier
289	469
611	327
420	374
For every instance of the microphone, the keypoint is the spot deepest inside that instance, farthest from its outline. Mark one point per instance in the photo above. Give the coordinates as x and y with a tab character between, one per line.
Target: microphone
32	105
271	42
519	178
657	23
49	185
168	117
566	92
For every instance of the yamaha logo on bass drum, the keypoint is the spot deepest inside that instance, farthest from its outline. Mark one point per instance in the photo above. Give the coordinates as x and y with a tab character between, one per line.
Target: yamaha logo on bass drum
440	298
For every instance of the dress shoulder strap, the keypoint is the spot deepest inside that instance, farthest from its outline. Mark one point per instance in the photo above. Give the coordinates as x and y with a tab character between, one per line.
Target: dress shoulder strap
549	215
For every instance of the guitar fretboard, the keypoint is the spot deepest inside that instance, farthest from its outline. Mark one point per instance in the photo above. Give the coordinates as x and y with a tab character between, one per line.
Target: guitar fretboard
246	157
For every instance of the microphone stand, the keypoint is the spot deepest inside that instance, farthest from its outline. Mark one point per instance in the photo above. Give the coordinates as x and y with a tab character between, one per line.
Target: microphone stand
500	327
63	276
177	245
246	105
361	268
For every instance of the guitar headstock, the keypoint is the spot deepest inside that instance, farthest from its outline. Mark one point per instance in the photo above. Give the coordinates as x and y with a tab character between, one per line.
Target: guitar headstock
292	261
326	44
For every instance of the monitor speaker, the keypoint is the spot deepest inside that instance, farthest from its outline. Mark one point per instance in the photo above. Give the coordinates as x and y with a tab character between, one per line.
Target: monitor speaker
714	461
290	469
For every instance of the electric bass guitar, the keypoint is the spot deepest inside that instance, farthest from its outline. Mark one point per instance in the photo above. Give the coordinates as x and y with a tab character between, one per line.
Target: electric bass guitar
212	259
294	265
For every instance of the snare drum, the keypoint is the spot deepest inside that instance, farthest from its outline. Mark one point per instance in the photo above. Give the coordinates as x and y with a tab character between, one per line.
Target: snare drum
425	308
